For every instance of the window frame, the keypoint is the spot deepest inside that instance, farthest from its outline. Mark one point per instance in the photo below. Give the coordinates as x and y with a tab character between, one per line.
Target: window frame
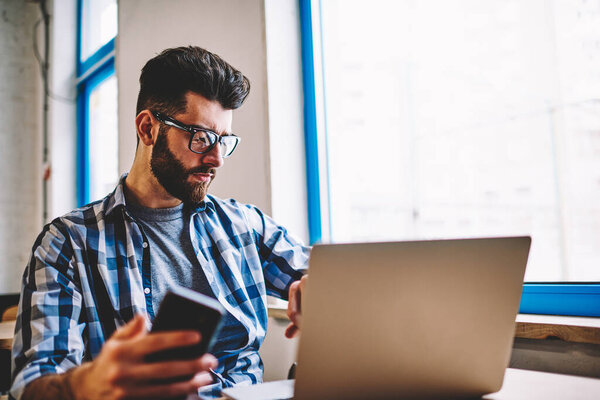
313	182
550	298
91	73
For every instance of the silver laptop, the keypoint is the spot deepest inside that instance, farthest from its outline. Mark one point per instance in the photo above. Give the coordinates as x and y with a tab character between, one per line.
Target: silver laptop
416	319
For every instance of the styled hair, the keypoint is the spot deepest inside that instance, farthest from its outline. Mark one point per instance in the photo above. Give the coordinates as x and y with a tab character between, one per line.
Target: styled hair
166	78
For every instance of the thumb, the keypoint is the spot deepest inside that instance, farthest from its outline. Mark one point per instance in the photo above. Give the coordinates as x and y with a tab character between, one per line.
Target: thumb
291	331
134	327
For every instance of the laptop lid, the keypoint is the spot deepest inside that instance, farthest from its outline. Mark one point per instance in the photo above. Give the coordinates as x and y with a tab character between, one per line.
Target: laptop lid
409	319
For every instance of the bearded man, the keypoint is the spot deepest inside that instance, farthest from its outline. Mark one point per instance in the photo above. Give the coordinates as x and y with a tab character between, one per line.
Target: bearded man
97	275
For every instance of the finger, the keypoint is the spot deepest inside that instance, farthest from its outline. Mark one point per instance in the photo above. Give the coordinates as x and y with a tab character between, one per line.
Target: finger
298	295
291	331
169	369
300	292
202	379
211	361
292	309
303	282
132	328
158	341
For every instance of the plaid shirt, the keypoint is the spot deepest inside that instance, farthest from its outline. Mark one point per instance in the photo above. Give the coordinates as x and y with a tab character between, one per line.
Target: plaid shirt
100	248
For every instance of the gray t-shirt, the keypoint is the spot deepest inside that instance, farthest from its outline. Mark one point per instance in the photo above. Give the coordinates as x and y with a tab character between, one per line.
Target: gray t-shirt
172	257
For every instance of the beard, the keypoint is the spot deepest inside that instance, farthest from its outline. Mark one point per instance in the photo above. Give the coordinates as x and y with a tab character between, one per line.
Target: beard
173	176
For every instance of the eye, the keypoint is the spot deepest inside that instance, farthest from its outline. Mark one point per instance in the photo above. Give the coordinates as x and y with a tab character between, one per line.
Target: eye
228	144
201	137
202	140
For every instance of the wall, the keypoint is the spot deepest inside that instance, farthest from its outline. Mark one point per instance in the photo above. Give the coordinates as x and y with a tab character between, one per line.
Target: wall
20	141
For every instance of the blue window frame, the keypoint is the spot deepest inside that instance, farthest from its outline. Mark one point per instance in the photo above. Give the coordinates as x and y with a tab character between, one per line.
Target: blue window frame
95	66
572	298
310	124
100	75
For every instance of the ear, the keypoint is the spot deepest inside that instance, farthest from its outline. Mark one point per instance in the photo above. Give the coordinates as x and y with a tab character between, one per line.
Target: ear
147	127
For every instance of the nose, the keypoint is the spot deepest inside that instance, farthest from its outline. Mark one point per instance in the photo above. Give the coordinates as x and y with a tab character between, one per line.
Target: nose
213	157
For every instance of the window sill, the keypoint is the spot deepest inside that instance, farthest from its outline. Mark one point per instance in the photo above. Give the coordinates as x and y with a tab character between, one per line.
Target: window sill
529	326
278	312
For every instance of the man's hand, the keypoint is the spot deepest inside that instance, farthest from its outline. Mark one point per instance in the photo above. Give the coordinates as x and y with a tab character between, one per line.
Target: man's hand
120	372
294	311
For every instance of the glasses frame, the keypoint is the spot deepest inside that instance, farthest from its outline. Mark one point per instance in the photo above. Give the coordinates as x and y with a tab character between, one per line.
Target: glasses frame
192	130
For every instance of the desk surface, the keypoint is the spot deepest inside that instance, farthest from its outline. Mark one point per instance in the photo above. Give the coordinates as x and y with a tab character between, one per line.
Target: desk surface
533	385
7	331
527	385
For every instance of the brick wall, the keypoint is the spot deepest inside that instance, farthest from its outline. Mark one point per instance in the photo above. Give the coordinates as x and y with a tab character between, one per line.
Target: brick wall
20	141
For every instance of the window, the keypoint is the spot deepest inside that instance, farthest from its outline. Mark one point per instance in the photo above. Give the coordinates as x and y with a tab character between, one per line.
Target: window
97	100
436	119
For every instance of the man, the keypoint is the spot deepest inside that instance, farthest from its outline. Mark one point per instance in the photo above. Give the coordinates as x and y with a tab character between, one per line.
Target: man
97	275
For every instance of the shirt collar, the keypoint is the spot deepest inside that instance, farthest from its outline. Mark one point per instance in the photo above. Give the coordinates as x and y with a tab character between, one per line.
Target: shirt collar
208	202
116	200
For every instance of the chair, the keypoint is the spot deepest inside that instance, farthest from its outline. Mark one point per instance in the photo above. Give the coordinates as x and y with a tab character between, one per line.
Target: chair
10	314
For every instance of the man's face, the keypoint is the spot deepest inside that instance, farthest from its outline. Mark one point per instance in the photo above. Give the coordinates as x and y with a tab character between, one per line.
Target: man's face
184	174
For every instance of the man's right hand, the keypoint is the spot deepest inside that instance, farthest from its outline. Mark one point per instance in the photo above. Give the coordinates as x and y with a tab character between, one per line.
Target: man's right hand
120	372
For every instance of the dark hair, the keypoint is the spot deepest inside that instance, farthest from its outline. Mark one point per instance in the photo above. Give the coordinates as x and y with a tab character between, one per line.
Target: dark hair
166	79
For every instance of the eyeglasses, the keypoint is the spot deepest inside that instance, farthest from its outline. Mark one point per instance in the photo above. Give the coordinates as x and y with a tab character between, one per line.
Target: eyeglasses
202	140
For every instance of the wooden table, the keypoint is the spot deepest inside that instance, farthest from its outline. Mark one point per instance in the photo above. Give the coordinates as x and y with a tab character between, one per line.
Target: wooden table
7	332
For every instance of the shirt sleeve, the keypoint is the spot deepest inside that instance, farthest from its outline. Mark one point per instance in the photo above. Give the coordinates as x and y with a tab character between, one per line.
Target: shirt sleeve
48	335
284	258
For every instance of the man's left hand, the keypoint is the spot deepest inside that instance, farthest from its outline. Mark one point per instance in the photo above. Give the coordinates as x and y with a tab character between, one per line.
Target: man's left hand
294	311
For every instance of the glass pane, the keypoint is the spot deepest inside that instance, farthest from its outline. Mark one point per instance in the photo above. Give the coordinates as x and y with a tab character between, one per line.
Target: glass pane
98	25
103	143
467	118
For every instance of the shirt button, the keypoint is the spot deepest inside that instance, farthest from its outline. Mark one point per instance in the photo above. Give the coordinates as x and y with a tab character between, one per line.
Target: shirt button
147	290
145	244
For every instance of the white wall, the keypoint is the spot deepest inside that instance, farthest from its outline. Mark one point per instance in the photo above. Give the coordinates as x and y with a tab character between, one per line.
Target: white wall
20	141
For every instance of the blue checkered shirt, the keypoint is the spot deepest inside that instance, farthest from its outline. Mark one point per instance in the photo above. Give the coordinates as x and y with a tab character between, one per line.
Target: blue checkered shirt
245	256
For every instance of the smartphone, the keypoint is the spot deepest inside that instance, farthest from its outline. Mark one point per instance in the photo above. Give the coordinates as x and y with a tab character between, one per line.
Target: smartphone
186	309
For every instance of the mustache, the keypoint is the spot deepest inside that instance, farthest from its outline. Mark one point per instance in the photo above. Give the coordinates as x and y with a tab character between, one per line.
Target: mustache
201	170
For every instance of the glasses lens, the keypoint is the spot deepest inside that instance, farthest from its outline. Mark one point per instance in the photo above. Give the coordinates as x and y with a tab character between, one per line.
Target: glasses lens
228	145
202	141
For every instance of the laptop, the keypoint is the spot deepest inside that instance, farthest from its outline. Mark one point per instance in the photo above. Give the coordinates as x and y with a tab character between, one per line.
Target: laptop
418	319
